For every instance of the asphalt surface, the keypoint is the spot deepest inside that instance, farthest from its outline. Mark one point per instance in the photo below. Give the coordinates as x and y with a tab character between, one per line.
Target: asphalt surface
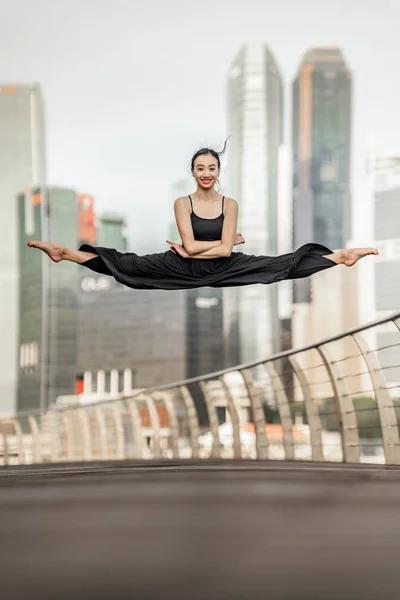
200	530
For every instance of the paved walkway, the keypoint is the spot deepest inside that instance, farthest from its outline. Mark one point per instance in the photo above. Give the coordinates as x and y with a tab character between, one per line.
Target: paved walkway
202	530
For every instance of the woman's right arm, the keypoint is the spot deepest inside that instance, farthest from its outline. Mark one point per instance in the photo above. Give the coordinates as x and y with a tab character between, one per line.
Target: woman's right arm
184	224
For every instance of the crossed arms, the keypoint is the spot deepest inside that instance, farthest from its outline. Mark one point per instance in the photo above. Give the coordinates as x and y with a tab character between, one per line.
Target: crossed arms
215	249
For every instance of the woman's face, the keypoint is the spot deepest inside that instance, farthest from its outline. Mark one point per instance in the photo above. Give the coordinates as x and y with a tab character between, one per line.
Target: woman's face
205	171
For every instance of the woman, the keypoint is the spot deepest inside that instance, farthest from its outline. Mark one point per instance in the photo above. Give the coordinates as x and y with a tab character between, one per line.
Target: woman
207	225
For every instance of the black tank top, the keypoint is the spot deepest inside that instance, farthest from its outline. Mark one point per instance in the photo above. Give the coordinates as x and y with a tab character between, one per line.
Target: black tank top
207	230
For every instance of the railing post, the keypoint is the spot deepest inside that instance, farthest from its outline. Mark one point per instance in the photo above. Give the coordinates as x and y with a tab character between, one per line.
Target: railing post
344	408
69	438
387	413
155	424
313	418
5	444
237	445
55	436
284	410
21	453
173	422
193	421
119	431
213	420
101	426
137	434
262	446
36	439
86	437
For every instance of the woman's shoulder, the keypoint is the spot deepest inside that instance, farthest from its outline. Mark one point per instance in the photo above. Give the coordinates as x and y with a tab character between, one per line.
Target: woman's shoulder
230	202
181	202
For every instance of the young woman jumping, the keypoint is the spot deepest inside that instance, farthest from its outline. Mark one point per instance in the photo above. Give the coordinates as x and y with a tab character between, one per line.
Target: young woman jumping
207	224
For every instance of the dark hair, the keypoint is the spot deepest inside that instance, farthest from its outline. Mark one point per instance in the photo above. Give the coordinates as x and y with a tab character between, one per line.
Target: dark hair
211	151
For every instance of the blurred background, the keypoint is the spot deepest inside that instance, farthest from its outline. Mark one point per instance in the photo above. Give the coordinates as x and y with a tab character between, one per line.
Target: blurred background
102	105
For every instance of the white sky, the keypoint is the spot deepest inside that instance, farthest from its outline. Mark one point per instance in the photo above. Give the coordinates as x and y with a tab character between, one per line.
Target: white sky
133	88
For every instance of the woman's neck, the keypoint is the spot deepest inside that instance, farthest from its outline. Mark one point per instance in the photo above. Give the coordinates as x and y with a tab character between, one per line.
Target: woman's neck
206	195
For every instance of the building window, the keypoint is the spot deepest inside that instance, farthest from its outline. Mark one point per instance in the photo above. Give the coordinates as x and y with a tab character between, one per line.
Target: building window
255	83
206	302
29	355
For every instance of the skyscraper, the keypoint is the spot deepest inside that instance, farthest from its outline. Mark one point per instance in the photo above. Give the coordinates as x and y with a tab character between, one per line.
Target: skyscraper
47	299
255	124
321	153
22	164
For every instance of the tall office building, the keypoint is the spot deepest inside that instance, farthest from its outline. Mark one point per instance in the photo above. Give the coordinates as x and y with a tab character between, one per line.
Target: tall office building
255	124
321	153
22	164
47	299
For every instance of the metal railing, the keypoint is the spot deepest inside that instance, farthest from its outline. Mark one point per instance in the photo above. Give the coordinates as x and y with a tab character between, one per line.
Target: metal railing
336	400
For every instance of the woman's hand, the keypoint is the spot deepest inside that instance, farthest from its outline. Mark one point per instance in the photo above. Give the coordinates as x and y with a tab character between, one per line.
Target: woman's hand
178	249
239	239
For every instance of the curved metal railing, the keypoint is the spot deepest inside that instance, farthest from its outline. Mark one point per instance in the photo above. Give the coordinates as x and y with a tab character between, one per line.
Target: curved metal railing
336	400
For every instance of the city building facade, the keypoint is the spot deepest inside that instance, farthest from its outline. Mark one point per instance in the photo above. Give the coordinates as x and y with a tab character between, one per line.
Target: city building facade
47	298
255	125
22	165
321	141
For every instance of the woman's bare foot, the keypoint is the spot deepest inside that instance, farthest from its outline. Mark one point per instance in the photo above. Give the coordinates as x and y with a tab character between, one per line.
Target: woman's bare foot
57	252
351	256
54	251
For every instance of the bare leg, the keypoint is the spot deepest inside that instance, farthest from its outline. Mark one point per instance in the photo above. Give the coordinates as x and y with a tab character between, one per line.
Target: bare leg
57	253
351	256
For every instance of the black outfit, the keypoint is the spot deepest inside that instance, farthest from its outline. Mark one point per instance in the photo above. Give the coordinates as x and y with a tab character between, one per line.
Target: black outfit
169	271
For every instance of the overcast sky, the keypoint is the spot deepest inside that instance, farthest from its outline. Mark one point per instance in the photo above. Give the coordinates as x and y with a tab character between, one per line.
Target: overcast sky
132	88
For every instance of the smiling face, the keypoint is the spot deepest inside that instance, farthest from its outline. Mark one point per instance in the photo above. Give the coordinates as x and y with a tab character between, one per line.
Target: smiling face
205	171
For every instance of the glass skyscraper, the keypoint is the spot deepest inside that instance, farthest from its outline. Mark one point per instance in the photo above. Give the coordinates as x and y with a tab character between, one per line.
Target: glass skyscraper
321	153
47	298
255	124
22	164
